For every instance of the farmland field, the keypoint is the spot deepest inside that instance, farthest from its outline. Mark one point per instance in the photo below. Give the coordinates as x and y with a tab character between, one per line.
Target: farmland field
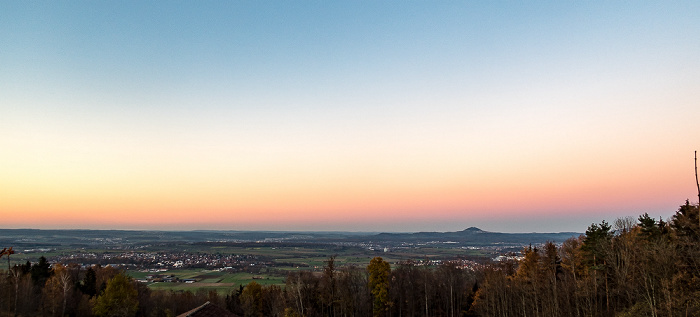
224	260
222	282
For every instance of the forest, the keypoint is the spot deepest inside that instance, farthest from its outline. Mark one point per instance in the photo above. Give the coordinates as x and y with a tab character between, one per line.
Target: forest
632	267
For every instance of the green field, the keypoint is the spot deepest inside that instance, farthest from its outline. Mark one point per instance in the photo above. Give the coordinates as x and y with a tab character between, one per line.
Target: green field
222	282
273	261
311	259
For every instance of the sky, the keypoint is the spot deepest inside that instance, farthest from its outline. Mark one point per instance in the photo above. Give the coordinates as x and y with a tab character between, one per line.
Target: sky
511	116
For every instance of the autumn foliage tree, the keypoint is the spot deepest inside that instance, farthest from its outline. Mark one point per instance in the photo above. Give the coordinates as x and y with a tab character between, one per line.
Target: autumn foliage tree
119	298
379	271
642	267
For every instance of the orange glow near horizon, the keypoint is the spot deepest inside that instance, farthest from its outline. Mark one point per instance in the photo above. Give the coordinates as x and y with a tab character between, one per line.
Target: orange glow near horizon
357	199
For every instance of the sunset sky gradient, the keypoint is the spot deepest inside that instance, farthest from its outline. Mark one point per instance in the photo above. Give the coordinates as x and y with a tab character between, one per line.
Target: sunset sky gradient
356	116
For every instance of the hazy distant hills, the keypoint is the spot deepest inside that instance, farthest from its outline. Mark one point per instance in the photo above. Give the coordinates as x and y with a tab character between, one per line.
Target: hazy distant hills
476	236
35	238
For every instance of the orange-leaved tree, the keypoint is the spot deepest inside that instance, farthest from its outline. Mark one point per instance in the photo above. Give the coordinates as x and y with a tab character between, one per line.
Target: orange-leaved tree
379	271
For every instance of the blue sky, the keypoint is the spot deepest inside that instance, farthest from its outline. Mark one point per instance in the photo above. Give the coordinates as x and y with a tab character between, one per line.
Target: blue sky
433	112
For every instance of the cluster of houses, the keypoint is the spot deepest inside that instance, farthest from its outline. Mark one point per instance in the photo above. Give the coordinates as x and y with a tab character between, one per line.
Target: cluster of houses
147	260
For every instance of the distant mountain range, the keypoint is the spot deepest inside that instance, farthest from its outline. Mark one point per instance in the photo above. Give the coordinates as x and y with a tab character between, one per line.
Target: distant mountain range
36	238
476	236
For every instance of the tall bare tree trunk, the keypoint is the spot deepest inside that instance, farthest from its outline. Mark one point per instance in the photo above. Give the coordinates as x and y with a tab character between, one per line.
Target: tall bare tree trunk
301	300
452	310
425	291
17	275
607	292
556	298
66	285
595	284
696	181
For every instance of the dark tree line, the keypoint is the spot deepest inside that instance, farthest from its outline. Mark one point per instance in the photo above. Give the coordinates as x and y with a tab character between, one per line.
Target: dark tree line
634	267
377	290
40	289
